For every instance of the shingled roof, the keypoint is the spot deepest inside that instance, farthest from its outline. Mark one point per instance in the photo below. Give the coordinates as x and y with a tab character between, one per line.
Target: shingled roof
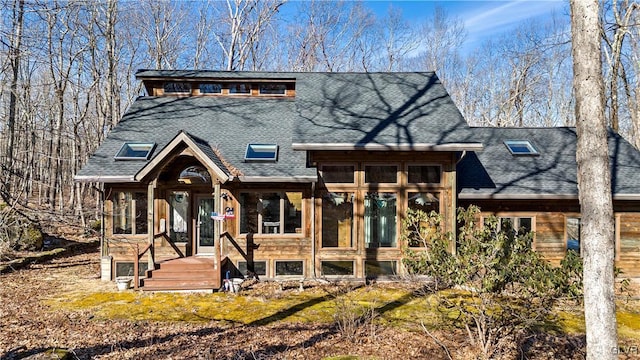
378	111
496	173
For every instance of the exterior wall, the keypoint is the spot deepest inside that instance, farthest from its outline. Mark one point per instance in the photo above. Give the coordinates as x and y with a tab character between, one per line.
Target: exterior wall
378	258
550	227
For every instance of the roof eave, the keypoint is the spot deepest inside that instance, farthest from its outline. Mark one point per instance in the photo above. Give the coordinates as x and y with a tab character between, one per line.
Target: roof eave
389	147
463	196
278	179
104	179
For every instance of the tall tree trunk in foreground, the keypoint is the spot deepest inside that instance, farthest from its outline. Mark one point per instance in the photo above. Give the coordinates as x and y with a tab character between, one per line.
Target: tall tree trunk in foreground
594	182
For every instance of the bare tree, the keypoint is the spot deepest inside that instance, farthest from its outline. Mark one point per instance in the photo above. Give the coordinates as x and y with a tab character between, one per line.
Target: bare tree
594	182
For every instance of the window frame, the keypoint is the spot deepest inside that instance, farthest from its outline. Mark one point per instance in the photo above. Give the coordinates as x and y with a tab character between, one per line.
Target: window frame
266	266
439	166
130	145
381	184
354	221
200	85
291	276
260	223
238	84
253	148
186	92
354	179
532	150
132	213
353	268
566	233
284	93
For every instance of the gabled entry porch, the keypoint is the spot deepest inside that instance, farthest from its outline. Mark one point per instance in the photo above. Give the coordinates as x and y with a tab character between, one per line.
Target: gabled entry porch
184	191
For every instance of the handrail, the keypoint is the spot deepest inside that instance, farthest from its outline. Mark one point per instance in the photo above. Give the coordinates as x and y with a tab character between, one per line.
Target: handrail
136	265
173	246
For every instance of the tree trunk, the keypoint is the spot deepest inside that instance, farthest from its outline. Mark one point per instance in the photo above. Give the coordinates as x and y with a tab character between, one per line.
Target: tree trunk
594	182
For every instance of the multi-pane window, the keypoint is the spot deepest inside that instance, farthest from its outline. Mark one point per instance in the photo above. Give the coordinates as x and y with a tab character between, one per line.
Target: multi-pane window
380	219
337	219
520	225
130	213
127	268
271	212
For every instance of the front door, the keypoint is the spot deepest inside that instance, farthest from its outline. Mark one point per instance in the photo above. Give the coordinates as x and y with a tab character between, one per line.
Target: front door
204	225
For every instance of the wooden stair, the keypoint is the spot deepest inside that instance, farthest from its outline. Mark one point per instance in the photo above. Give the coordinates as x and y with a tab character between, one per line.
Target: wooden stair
188	273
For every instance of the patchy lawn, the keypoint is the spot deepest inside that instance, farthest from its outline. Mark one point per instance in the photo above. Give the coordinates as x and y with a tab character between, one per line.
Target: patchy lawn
61	304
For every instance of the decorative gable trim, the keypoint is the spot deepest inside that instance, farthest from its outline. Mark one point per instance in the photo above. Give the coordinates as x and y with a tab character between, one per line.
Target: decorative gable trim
183	137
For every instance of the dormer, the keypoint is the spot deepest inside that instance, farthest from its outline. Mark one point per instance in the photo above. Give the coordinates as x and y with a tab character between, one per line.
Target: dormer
217	83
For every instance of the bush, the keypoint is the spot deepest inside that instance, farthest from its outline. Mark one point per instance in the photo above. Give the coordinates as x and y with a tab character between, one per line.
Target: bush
503	287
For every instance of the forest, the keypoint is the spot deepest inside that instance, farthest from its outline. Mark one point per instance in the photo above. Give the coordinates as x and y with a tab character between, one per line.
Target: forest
68	71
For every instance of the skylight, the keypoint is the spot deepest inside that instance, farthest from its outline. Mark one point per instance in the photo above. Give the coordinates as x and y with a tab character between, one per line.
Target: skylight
135	151
261	152
521	147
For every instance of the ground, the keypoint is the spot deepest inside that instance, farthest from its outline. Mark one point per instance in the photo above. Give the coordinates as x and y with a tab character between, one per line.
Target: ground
59	303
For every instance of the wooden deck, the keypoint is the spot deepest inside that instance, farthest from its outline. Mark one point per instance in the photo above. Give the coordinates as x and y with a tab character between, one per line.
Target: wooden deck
188	273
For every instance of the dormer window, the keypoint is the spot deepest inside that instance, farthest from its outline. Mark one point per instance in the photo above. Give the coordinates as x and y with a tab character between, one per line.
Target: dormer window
261	152
273	89
135	151
240	88
175	87
521	147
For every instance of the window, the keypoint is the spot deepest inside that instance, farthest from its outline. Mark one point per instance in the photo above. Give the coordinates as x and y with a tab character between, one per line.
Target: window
259	267
209	88
521	225
379	268
194	175
337	268
271	212
423	174
338	174
126	268
240	88
289	268
135	151
130	213
273	89
426	202
261	152
178	216
380	220
337	219
521	147
381	174
573	234
177	88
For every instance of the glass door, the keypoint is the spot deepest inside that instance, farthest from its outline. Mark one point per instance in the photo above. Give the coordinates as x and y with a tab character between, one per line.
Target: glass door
204	230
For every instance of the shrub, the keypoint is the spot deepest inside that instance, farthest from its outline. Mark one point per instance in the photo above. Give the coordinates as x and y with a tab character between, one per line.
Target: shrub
502	287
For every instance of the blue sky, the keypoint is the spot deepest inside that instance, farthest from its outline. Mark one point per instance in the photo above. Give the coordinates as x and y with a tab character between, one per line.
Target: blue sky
482	19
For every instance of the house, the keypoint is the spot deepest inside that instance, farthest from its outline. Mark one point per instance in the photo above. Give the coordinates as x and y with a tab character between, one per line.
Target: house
308	175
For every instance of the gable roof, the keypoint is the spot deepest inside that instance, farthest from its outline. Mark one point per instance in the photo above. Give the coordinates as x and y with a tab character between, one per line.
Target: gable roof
497	174
204	153
379	111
